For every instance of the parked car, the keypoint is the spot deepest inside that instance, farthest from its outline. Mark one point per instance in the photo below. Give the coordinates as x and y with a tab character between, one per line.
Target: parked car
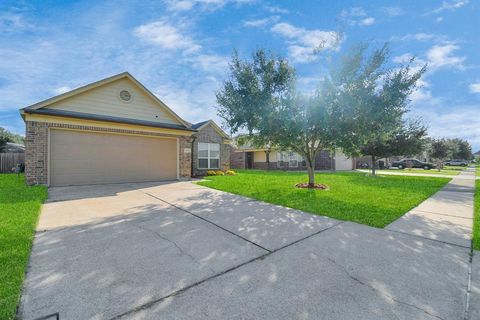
456	162
412	163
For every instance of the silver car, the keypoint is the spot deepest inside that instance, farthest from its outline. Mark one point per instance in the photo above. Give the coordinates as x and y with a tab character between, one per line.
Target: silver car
456	162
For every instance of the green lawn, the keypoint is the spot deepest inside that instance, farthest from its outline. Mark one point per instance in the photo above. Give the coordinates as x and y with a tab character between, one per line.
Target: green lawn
476	220
19	208
375	201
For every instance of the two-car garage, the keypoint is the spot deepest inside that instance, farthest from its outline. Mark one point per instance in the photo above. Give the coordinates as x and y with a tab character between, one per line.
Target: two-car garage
83	157
110	131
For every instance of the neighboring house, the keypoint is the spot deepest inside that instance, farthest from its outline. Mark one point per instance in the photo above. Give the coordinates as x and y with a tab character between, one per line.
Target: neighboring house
211	148
11	147
110	131
248	157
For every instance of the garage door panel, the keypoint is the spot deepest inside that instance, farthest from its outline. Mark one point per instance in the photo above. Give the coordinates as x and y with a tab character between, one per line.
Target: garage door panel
78	158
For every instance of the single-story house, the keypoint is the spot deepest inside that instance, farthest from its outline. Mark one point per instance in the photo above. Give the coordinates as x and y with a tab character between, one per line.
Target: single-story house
248	157
113	131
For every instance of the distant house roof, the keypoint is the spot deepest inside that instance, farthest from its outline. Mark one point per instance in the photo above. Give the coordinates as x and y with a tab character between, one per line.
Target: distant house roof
199	124
10	147
203	124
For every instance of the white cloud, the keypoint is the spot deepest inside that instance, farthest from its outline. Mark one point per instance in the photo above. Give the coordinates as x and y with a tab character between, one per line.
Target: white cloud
13	22
441	56
212	63
61	90
207	5
450	5
422	37
458	121
276	9
304	44
474	87
366	22
260	22
393	11
356	16
439	19
167	36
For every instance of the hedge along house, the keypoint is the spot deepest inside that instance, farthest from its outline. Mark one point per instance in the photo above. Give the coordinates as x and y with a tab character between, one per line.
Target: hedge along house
256	158
110	131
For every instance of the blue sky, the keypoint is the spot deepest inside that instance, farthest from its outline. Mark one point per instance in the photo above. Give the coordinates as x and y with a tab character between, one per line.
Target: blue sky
180	49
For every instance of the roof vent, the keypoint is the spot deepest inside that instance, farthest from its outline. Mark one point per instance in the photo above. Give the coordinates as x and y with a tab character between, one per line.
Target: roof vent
125	96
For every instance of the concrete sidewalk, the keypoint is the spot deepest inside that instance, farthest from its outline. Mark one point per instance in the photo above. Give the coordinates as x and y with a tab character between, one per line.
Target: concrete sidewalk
447	216
410	174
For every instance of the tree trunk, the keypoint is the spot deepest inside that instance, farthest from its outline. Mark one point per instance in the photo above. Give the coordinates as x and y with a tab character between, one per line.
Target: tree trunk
373	166
267	157
311	174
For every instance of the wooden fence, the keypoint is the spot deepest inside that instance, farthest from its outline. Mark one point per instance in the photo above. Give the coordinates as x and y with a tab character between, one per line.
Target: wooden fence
10	160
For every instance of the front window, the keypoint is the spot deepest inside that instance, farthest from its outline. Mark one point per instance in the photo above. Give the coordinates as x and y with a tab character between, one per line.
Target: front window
208	155
293	159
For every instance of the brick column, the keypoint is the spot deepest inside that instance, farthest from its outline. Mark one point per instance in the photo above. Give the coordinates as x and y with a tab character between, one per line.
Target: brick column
36	153
185	158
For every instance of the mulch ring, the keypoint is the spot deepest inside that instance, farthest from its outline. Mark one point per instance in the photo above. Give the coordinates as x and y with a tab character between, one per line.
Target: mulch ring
304	185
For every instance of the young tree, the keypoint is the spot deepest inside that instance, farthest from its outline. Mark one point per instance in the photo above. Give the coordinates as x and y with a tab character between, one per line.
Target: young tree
439	150
407	139
369	102
260	97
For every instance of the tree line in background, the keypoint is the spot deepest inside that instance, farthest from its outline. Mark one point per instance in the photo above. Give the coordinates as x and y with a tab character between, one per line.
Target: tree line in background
441	149
358	106
7	136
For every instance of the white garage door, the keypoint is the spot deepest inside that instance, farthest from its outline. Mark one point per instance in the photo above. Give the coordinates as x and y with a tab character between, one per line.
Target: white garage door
79	158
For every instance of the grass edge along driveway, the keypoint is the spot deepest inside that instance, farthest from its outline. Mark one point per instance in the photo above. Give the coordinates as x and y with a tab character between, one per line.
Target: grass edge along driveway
476	218
374	201
19	210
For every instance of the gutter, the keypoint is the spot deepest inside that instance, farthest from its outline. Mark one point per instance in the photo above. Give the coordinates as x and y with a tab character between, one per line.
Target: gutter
89	116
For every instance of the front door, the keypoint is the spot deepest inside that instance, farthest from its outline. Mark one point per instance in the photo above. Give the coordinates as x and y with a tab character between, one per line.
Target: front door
249	160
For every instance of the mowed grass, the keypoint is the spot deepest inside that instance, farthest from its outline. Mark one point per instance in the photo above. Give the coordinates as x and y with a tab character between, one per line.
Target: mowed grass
375	201
476	219
19	209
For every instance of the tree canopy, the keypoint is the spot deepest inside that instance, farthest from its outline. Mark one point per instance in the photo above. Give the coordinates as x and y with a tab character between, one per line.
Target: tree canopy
7	136
358	106
369	102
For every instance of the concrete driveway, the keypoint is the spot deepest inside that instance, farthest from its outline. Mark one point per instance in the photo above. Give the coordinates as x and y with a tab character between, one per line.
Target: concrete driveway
181	251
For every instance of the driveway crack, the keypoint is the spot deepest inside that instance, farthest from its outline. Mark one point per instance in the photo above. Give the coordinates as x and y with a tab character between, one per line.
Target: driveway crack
344	269
179	248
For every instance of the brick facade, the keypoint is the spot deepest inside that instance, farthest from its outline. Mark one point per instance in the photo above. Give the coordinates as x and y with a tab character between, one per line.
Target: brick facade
185	158
210	135
323	161
36	149
237	159
36	152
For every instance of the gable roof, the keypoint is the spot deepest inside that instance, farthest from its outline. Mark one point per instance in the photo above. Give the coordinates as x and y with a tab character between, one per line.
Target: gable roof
35	107
200	125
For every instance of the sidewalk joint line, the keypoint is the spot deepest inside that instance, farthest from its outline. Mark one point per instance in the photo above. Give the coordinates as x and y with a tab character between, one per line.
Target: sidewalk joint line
206	220
425	238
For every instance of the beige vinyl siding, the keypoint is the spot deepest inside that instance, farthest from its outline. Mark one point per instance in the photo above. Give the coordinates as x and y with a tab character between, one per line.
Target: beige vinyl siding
342	162
82	157
104	100
260	156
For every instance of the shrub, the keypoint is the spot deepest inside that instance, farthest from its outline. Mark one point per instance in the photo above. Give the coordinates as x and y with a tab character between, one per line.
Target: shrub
220	173
211	173
230	173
